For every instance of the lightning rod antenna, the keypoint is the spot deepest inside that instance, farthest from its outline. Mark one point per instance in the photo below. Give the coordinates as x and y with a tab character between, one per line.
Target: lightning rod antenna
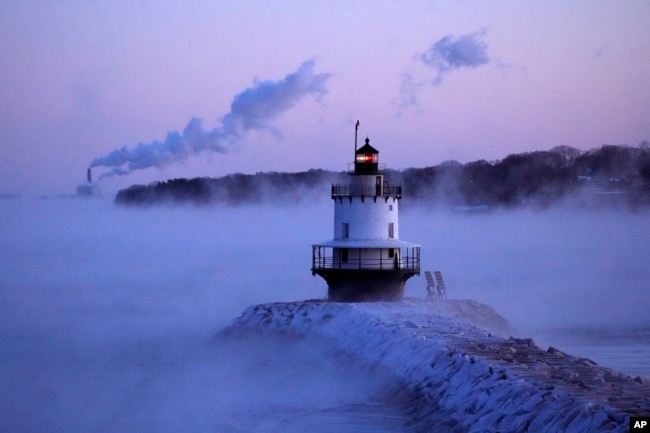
356	130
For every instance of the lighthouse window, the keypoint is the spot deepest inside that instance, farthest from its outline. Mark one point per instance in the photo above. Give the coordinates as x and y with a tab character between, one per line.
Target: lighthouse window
390	207
367	158
344	255
346	230
391	253
391	230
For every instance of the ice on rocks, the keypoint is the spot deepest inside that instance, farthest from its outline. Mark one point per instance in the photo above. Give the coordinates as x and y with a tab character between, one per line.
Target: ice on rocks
459	370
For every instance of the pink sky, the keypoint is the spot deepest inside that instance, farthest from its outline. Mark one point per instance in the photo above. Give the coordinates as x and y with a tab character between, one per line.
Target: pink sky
81	79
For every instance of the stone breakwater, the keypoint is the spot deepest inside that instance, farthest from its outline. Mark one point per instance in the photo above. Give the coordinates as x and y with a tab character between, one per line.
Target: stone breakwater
456	369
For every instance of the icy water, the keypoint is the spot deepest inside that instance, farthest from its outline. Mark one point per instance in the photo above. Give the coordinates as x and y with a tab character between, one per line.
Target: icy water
175	383
108	316
625	349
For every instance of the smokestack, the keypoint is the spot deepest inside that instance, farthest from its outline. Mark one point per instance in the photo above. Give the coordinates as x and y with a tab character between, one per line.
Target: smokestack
89	176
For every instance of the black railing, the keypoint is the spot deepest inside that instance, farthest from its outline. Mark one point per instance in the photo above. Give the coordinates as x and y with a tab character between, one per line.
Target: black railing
354	190
403	263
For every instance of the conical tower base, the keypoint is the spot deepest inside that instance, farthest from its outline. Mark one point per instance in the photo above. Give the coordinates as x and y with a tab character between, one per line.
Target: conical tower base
365	285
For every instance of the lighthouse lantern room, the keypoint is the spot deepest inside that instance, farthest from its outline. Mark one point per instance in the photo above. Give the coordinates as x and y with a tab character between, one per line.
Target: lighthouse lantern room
366	260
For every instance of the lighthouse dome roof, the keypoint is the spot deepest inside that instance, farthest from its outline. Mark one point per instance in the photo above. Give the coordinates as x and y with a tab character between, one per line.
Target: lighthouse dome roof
367	149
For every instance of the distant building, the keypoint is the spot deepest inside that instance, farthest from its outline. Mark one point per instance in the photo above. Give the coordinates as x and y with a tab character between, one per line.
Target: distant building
87	189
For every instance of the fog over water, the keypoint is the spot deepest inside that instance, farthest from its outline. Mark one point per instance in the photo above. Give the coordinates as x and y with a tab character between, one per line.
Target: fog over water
108	314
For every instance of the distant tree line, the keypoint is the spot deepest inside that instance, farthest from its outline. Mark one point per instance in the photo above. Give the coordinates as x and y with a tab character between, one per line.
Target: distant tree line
610	174
231	189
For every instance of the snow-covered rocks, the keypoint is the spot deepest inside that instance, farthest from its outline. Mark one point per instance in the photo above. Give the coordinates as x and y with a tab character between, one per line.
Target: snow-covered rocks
458	370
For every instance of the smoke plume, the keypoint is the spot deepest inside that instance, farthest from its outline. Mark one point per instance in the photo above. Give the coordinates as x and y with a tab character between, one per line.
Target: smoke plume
252	109
444	56
449	53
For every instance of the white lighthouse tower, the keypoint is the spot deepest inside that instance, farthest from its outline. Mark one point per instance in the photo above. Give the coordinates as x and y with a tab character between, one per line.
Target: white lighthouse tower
366	260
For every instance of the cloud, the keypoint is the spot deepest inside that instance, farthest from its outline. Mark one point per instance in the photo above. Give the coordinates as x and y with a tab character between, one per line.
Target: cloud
450	53
408	92
253	109
444	56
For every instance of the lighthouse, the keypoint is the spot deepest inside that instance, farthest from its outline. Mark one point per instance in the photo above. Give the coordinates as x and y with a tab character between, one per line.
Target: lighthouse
366	260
